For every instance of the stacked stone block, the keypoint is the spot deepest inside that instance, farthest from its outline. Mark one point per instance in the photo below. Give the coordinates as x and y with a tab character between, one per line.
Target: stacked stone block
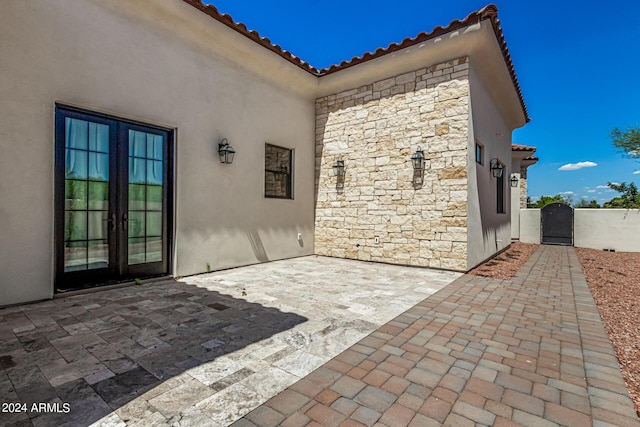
375	129
523	190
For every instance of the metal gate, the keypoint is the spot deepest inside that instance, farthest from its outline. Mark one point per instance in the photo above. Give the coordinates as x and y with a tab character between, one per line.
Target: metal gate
557	224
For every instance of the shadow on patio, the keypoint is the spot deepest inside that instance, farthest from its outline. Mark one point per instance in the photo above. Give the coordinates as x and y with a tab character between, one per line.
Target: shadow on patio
99	351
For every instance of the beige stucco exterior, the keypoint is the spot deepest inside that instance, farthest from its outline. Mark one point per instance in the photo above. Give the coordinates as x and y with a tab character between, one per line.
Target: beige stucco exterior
592	228
489	231
530	227
607	229
159	63
165	63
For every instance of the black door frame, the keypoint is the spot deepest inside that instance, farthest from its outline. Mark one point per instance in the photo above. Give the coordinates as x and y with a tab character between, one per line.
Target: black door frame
117	271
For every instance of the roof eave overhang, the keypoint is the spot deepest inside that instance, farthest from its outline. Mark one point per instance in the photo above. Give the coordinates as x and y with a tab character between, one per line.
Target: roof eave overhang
474	36
477	41
371	68
486	17
528	161
520	155
491	62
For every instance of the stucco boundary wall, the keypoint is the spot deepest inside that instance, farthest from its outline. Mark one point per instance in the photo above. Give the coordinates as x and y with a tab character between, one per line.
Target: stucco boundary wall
615	229
530	227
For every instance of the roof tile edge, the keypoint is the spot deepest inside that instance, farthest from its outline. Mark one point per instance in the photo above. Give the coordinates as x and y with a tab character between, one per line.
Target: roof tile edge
227	20
487	12
518	147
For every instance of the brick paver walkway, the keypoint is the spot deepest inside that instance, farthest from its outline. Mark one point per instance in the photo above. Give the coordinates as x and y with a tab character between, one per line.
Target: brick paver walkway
529	351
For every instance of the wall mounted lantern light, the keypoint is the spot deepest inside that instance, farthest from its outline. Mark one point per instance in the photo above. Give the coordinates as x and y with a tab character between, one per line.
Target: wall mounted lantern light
338	168
514	180
225	151
417	159
496	168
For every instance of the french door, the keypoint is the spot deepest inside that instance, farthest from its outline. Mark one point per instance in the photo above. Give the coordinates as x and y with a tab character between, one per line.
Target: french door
113	210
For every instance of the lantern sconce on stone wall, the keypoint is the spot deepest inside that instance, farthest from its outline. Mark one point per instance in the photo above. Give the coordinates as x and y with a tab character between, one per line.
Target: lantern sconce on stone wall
226	151
514	180
496	168
418	162
417	159
339	173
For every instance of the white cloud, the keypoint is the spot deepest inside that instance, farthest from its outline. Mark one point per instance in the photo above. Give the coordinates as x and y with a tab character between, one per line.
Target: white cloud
636	172
576	166
591	191
568	192
606	187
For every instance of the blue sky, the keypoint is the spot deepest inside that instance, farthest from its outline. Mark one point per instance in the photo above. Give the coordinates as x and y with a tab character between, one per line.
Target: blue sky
577	63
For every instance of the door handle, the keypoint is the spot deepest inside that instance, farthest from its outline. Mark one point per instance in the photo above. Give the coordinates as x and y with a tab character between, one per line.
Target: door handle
112	221
125	218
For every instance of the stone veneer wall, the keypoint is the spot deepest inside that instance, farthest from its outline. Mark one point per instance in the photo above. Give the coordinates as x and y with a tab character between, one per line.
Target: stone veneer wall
523	188
523	191
375	129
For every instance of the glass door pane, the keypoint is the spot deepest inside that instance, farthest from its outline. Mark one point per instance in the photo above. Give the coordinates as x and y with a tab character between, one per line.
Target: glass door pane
86	195
145	211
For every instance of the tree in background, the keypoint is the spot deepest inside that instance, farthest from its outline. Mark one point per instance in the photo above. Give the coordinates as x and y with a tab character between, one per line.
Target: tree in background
547	200
627	140
584	203
629	198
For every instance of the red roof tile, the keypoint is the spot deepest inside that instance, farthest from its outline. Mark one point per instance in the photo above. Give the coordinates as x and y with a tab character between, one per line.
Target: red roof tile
489	12
517	147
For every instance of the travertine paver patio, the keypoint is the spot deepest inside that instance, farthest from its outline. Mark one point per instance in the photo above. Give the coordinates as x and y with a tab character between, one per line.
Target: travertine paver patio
196	351
531	351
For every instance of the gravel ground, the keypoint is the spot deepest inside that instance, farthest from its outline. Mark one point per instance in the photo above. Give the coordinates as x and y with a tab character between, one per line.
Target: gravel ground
507	263
614	280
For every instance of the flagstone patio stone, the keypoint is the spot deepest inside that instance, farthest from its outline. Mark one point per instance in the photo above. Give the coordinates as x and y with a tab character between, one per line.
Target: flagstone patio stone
201	349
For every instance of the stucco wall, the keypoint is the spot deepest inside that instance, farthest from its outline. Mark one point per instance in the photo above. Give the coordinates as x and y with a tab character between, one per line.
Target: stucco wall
375	129
593	228
530	226
489	231
616	229
160	63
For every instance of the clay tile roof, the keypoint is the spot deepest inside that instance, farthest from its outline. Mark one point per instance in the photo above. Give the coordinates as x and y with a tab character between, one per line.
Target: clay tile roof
517	147
488	12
